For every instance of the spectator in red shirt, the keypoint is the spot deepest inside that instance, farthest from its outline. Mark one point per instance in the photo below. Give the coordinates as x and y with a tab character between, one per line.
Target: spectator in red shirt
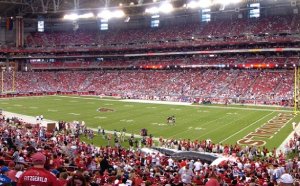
212	181
12	172
38	175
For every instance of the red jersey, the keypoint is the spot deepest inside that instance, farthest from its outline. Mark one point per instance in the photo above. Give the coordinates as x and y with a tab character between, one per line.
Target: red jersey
62	182
37	177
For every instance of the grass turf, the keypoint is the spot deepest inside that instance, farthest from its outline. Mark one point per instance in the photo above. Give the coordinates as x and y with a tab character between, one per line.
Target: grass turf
218	123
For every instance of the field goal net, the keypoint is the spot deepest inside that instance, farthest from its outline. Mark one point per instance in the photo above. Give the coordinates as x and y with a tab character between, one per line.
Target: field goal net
8	78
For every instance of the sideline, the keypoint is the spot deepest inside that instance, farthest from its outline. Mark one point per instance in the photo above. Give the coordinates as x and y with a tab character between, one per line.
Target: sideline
282	147
179	103
32	120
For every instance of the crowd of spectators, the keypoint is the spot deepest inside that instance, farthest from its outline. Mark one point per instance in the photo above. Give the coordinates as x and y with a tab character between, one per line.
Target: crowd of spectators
31	155
251	30
261	86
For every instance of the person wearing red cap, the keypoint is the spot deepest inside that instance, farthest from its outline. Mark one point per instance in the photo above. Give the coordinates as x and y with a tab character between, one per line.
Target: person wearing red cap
38	175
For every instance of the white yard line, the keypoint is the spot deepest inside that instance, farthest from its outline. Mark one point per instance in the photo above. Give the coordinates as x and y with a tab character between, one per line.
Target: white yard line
75	114
52	110
100	117
245	128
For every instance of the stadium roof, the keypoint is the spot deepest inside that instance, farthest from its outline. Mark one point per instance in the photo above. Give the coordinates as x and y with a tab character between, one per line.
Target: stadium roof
33	7
56	8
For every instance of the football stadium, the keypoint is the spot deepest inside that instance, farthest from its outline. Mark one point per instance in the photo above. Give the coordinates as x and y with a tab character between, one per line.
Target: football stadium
149	92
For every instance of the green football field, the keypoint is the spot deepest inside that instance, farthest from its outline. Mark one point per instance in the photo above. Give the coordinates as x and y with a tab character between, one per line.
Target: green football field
221	124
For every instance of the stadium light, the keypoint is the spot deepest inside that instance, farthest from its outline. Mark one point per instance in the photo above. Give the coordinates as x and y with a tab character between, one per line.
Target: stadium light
155	16
152	10
208	3
71	16
86	16
226	2
193	4
75	16
107	14
166	8
205	3
118	14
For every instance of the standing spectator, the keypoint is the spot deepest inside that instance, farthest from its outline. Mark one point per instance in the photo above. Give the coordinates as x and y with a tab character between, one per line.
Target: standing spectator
16	155
38	175
12	172
198	165
63	178
186	174
20	169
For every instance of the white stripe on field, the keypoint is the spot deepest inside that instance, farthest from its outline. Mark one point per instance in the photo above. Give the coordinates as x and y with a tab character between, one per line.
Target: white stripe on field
100	117
75	114
52	110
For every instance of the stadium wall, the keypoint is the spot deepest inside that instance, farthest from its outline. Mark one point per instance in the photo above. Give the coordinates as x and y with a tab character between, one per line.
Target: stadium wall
7	37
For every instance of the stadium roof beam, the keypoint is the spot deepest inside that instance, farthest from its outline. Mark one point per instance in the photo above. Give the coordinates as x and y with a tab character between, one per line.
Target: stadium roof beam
107	3
76	4
42	6
56	5
45	5
16	2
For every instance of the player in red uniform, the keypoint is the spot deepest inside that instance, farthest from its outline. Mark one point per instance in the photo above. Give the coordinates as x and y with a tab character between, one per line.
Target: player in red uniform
38	175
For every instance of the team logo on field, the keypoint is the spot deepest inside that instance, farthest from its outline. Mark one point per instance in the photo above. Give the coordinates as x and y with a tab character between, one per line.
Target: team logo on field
267	130
105	110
